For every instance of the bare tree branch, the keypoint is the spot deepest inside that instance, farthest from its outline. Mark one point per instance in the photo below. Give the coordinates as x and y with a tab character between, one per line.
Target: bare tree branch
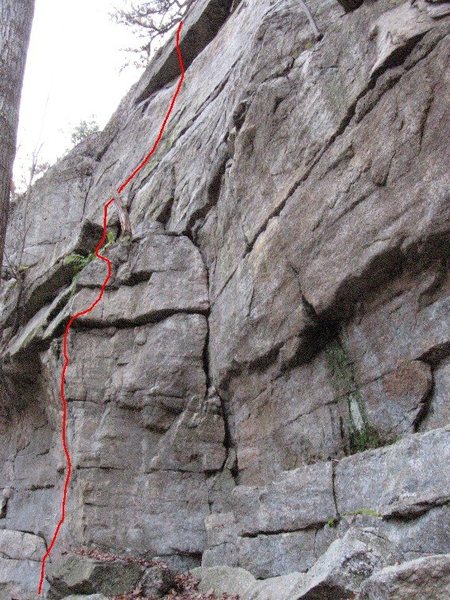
151	21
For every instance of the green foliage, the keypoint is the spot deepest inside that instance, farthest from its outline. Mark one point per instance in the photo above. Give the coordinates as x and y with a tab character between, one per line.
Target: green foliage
333	522
340	364
110	239
79	261
73	285
345	381
83	130
364	439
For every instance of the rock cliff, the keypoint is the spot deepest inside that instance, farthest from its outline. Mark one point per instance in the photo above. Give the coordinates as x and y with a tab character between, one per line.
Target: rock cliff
265	386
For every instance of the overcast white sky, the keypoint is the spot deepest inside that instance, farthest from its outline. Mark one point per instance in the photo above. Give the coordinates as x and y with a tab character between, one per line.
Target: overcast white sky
72	73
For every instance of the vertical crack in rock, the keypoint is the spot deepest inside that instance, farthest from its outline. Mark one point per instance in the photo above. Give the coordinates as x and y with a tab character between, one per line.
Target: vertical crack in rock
230	462
230	445
334	462
425	403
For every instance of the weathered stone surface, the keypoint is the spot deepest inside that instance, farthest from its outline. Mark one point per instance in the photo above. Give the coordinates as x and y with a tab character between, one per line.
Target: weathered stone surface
276	588
29	465
157	581
427	534
52	234
439	407
278	554
221	540
20	556
365	480
195	441
82	575
252	307
160	514
420	535
117	436
427	577
140	363
350	4
241	582
350	263
18	579
17	545
84	597
399	27
224	579
295	500
299	196
395	402
201	26
341	570
296	419
161	275
405	322
34	332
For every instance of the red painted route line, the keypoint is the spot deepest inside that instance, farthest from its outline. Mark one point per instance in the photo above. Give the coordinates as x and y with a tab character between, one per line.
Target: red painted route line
77	315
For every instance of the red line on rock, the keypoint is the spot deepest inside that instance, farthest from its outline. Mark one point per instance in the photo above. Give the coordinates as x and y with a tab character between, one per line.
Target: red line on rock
77	315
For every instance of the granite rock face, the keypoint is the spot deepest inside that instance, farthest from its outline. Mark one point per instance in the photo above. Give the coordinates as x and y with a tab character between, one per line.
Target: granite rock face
266	381
427	577
80	575
20	555
338	573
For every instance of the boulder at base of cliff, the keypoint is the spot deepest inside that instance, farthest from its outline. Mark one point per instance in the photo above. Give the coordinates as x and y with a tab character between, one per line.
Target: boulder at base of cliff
427	577
75	574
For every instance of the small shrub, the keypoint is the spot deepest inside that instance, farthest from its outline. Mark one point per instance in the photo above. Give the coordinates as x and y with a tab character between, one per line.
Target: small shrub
110	239
333	522
79	261
83	130
364	439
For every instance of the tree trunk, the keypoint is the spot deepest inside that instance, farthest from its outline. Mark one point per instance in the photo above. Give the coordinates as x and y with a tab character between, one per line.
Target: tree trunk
16	17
